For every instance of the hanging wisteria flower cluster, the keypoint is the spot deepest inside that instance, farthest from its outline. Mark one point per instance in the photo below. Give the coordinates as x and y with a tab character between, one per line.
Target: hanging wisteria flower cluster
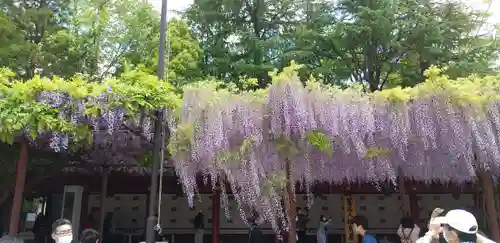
441	130
74	111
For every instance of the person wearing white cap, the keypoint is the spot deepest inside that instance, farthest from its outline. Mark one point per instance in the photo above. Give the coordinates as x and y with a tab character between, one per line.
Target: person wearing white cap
457	226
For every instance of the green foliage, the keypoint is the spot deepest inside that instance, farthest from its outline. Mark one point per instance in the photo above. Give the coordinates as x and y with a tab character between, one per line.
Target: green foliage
236	155
95	38
380	44
374	152
286	148
135	91
19	108
275	184
180	141
320	142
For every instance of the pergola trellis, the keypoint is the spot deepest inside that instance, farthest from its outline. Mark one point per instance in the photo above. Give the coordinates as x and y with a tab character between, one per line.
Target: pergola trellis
262	142
63	116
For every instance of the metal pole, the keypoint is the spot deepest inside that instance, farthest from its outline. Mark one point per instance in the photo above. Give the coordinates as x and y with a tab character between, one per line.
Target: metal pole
159	140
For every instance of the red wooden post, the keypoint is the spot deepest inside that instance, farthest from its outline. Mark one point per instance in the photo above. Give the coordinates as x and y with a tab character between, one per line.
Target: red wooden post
22	165
490	205
216	216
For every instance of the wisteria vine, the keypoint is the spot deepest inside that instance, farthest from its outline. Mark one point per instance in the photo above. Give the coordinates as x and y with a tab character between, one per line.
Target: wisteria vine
60	115
442	130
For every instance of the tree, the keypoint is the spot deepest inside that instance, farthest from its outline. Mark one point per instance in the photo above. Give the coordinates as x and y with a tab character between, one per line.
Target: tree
382	41
95	38
183	51
377	43
243	38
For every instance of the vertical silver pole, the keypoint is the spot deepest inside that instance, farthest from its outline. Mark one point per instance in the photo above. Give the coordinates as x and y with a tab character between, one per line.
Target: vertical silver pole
159	140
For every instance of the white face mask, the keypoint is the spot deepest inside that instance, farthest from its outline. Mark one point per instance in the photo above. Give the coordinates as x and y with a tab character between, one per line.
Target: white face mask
447	234
354	228
65	239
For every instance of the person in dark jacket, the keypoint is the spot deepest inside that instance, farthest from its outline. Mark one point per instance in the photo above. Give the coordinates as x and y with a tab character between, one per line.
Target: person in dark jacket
89	236
199	226
40	228
255	233
94	219
302	219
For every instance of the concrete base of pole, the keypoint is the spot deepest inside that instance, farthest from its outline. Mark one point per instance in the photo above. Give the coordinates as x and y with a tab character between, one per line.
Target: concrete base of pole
150	231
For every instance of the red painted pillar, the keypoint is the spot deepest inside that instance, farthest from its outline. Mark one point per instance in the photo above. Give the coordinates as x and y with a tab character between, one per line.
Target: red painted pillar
216	216
490	205
22	165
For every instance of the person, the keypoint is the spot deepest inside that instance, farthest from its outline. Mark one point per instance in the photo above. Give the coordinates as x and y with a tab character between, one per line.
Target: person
255	233
40	228
94	218
108	228
323	228
408	231
302	219
360	227
90	236
457	226
62	231
11	239
199	226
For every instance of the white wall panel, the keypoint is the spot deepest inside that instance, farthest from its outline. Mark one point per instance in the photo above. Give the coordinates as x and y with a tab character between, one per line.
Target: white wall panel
382	211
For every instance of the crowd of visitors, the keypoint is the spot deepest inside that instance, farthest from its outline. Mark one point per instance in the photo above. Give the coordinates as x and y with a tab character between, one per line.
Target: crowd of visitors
456	226
61	232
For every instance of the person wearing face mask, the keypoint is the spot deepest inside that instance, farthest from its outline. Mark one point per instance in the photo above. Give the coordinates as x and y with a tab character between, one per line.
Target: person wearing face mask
457	226
323	228
62	231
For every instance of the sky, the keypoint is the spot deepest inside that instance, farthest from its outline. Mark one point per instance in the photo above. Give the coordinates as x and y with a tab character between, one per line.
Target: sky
174	5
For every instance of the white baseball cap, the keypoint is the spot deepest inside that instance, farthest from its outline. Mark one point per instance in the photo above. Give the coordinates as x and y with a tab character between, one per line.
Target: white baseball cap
460	220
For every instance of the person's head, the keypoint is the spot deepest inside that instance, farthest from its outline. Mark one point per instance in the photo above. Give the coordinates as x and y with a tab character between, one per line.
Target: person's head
407	223
254	218
89	236
459	226
95	213
322	218
359	224
11	239
62	231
